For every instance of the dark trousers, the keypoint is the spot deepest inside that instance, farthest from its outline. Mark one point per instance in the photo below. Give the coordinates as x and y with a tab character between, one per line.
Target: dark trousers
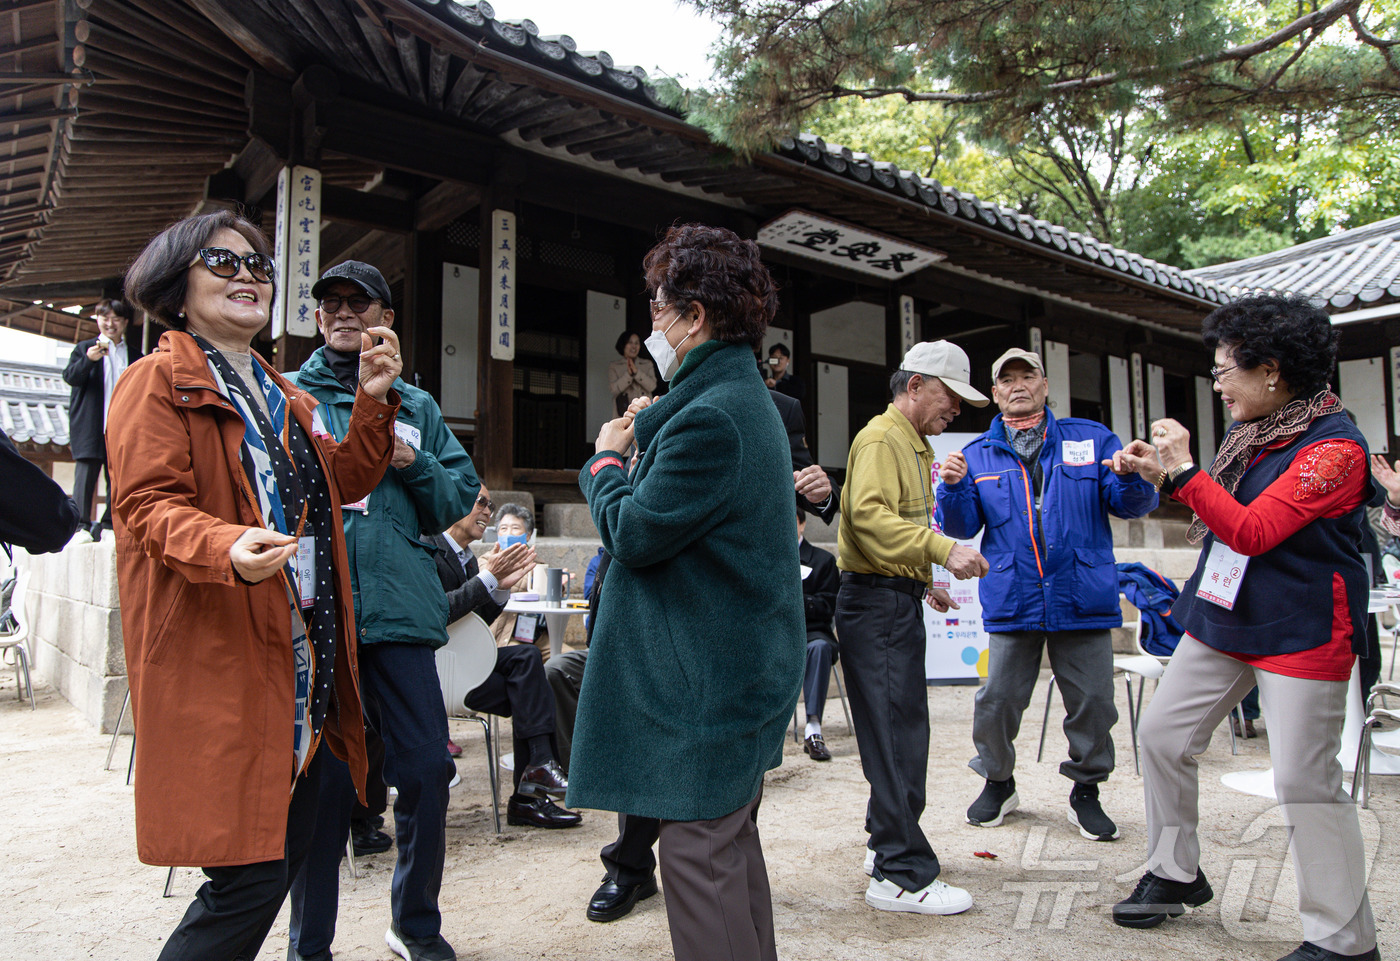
85	475
517	689
718	903
376	791
882	647
629	859
232	911
403	701
821	654
565	676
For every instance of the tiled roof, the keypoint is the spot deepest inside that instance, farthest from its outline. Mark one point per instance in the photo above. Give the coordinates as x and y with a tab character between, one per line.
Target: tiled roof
1354	268
34	404
861	167
559	53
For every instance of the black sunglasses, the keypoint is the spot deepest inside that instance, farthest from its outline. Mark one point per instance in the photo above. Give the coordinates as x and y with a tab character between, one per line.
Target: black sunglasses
359	304
223	262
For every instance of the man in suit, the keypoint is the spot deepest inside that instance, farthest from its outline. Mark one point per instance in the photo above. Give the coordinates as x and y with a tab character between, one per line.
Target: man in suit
516	687
819	587
816	492
778	374
92	372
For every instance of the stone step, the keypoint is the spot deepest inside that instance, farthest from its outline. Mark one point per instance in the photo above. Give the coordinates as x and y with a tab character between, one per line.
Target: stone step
567	520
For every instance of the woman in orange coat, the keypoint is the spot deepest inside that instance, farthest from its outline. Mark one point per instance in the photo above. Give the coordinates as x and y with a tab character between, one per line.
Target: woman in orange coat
235	591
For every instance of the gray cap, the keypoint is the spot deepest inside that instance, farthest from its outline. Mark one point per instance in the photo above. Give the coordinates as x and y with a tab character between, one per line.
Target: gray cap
1016	353
948	362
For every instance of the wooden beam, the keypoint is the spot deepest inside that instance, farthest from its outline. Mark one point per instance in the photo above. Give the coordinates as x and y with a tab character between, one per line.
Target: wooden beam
258	35
495	448
407	45
443	204
28	46
438	62
463	88
373	32
371	211
22	117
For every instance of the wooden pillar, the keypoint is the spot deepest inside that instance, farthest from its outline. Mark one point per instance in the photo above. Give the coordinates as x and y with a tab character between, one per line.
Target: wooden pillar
495	406
420	329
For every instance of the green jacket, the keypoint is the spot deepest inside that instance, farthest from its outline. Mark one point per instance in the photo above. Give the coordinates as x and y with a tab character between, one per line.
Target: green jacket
698	650
401	599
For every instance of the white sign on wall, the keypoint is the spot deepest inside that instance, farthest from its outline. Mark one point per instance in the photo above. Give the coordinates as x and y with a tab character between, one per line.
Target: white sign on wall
1395	387
957	641
503	247
460	306
297	250
1056	361
1139	403
1361	383
908	324
841	245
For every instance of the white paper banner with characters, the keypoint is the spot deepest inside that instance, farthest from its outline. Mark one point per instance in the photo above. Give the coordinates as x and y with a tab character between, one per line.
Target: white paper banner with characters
957	642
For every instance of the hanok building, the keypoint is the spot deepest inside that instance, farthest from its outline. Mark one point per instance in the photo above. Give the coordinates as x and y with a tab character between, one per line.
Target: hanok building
428	136
1355	276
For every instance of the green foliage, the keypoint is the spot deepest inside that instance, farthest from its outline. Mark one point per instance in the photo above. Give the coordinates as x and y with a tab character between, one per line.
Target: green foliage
1192	131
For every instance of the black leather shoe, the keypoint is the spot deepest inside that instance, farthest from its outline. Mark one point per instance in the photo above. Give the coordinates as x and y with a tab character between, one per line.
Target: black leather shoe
1156	899
368	839
612	900
816	748
1307	951
544	780
539	812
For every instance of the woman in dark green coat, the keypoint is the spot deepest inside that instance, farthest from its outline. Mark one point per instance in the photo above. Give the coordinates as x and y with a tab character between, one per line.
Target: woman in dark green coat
698	650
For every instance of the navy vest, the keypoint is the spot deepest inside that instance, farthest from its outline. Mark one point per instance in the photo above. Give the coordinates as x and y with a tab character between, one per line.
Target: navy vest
1285	599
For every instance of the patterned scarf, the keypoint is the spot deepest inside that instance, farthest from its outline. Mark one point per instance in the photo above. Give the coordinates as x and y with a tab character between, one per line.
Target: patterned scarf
1244	440
286	479
1026	436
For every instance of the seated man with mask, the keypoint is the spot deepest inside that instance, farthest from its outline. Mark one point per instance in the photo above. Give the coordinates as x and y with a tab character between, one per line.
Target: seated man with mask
516	687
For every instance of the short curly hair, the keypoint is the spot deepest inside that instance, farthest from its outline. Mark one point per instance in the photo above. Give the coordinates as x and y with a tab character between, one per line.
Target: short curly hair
720	270
1289	330
158	279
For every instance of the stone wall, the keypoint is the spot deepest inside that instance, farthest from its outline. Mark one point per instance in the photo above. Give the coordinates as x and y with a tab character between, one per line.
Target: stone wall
76	630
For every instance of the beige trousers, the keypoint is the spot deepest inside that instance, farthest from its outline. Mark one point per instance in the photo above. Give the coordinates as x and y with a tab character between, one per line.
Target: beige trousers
1304	722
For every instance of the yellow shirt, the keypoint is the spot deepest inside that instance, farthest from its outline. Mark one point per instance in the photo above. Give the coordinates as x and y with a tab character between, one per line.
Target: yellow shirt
887	503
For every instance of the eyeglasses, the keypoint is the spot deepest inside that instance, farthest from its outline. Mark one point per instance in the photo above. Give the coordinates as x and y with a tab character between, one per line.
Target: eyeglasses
1217	372
484	504
657	306
359	304
223	262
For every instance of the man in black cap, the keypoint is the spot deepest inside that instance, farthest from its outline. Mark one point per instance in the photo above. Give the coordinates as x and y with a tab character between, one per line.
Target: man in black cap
401	620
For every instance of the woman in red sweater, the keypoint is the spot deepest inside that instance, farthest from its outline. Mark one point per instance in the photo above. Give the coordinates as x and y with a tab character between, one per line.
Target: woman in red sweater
1278	599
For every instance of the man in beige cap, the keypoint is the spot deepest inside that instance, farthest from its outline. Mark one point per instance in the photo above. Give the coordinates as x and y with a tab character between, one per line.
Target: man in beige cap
1042	488
886	545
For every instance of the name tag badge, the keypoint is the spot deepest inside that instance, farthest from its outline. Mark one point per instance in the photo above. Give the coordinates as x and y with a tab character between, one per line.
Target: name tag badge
1077	453
306	570
1220	580
361	505
940	576
409	434
527	628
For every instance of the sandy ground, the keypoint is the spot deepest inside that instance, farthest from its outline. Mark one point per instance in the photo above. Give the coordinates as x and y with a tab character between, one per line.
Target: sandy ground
71	887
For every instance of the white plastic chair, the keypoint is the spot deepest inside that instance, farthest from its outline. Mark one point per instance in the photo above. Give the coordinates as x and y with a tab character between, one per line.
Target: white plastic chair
15	641
463	664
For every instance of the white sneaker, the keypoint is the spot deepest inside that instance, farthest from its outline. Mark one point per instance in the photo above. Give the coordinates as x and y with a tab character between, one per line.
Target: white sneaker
937	898
456	780
870	862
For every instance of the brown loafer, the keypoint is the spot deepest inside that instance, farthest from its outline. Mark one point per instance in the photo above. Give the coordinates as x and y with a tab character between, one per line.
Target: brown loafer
816	748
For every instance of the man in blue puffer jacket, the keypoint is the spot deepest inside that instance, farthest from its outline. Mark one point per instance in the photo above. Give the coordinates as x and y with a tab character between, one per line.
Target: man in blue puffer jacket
1042	489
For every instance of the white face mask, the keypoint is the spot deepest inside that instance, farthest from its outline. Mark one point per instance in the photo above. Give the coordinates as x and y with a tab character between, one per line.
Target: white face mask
663	353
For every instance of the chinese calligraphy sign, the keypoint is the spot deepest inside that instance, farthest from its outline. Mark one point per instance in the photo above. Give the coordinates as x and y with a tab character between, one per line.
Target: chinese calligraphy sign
820	238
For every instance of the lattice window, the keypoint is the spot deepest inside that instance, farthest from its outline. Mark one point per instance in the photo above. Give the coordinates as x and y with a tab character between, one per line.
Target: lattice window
577	258
464	233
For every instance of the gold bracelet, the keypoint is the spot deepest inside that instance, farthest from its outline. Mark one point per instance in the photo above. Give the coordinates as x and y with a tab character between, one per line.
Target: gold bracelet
1161	479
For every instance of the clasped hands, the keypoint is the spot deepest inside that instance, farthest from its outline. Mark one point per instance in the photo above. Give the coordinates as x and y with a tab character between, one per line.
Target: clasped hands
618	433
1170	449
